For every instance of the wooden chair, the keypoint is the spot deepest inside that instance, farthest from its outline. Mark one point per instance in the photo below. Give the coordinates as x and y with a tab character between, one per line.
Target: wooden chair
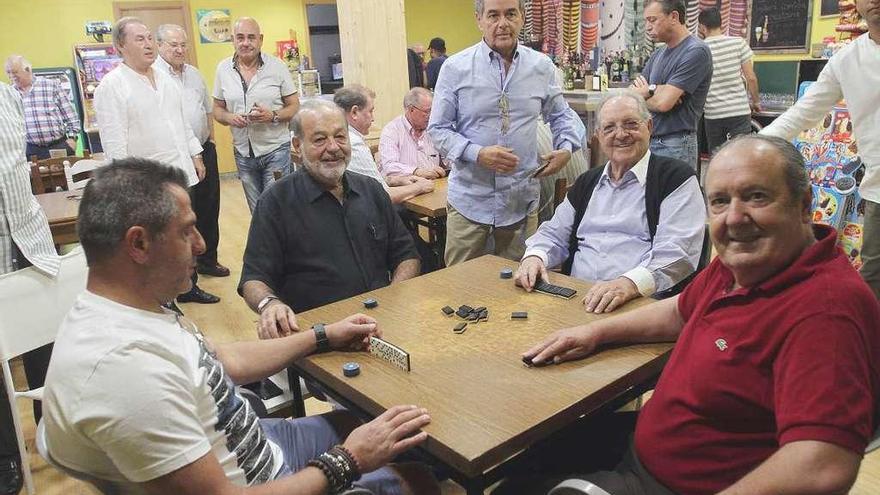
51	171
560	189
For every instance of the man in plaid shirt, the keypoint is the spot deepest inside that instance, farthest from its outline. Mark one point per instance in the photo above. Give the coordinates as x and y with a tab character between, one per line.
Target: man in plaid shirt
50	119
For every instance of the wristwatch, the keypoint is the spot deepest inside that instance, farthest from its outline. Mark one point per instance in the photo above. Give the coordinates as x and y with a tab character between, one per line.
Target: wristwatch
322	343
265	302
651	89
274	117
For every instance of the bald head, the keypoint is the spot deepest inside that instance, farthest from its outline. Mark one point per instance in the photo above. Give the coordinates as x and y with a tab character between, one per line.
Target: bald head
247	39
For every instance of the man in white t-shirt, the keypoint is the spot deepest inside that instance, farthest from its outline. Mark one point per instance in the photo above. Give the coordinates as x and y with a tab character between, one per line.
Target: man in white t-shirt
853	74
138	398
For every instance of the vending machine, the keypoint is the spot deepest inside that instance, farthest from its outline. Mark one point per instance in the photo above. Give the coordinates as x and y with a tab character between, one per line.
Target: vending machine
93	61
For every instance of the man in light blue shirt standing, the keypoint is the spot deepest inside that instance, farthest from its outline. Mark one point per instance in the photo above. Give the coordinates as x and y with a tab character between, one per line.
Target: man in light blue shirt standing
486	106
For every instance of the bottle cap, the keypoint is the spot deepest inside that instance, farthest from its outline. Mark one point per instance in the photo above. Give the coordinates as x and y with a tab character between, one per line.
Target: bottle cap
371	303
507	273
351	369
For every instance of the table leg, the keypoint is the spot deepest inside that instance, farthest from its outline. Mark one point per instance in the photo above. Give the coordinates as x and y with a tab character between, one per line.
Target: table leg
299	406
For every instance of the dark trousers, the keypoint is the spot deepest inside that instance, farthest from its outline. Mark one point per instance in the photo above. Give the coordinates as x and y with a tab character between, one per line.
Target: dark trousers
206	204
35	364
598	449
718	131
42	152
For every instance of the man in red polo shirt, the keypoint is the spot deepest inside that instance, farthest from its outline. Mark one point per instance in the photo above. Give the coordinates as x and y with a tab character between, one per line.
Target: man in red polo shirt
773	381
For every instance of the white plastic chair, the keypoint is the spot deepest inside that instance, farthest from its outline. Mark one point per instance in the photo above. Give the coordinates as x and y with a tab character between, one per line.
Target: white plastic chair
577	487
32	306
81	167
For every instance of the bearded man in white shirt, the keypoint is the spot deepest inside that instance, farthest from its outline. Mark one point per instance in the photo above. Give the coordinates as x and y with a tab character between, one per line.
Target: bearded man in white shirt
852	74
140	113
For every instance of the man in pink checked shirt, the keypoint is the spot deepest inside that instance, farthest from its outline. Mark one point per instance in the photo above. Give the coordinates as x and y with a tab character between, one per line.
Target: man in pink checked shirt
404	147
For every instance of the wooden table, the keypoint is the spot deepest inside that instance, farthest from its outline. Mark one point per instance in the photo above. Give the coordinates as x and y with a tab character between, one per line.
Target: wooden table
430	210
62	210
486	406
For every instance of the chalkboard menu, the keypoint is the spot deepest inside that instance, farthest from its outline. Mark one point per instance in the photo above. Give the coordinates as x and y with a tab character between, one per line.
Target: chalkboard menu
780	26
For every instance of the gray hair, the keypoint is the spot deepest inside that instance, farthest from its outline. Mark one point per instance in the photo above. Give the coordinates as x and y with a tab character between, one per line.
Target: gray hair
121	195
313	106
165	30
14	60
479	5
352	95
644	113
791	160
412	97
119	29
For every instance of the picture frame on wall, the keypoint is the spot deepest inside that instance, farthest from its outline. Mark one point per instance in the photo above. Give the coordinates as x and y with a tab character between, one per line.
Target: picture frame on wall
829	8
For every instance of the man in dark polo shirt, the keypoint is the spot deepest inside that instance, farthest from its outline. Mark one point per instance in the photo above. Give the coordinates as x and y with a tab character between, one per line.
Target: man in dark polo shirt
321	234
773	382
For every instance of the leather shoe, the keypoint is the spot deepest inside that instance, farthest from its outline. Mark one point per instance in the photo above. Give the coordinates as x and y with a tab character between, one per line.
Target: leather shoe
10	476
197	295
215	270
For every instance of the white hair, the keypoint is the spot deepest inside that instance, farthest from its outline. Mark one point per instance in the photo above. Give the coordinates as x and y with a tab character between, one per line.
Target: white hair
165	30
14	60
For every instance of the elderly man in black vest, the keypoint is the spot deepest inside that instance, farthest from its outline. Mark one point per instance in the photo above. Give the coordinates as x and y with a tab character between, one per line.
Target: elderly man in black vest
634	226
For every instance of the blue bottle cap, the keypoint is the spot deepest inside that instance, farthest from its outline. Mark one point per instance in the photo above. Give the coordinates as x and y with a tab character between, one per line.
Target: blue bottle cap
507	273
351	369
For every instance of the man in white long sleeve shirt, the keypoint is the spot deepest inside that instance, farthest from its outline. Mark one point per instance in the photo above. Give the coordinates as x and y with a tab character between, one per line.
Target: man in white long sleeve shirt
140	113
852	74
635	226
140	110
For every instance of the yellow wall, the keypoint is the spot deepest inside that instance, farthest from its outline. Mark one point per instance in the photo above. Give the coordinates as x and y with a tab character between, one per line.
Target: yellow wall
452	20
820	28
44	31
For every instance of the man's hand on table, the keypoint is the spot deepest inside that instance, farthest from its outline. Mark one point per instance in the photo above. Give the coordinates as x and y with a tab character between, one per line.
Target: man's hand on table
378	442
556	160
530	270
430	172
352	333
498	158
276	320
605	297
567	344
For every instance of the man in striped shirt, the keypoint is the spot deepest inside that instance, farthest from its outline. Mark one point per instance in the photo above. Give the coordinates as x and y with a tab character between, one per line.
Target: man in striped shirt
50	119
730	102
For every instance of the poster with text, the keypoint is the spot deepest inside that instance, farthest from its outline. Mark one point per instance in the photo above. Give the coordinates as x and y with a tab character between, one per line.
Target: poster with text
215	25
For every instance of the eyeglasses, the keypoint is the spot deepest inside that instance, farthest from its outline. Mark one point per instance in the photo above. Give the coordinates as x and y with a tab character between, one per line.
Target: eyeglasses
628	126
426	112
504	113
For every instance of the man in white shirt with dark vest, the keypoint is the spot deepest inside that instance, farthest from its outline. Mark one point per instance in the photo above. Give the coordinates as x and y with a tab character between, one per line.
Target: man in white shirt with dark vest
852	74
141	113
635	226
197	108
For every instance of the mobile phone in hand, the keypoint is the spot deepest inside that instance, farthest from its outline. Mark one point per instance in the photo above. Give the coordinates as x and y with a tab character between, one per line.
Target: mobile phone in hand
540	169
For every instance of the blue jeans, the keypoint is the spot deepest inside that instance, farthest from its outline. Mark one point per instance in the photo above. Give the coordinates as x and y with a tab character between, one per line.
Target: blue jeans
303	439
256	172
681	146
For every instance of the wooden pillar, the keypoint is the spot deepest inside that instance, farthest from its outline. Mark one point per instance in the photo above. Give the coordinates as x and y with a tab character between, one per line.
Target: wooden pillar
372	34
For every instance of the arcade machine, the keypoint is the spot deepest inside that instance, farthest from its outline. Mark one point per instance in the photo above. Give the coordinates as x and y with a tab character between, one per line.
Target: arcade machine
93	61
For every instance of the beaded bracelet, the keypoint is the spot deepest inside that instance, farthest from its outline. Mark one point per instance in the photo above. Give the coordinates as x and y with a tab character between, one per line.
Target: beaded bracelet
339	467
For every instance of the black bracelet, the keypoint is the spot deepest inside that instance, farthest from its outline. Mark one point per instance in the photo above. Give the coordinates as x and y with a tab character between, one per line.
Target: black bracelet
351	460
338	468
